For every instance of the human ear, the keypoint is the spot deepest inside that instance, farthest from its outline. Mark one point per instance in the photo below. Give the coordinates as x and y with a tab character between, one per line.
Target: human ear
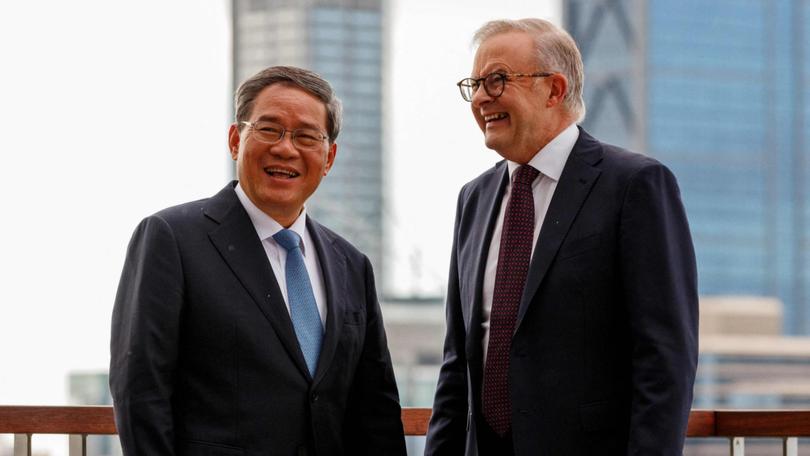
234	139
559	87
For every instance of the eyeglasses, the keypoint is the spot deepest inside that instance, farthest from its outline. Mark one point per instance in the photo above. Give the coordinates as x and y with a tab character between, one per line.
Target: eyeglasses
273	133
494	83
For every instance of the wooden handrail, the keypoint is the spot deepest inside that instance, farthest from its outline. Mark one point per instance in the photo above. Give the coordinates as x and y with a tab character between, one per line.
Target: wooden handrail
702	424
415	420
22	419
93	420
763	423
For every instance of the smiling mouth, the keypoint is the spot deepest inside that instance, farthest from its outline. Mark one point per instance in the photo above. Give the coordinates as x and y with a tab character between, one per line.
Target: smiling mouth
282	173
497	116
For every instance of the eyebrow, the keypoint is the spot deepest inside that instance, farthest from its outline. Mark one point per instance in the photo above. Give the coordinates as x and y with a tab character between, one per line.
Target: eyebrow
277	119
498	69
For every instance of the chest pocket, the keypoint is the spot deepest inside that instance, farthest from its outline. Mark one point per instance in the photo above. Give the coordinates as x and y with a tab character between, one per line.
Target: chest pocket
579	246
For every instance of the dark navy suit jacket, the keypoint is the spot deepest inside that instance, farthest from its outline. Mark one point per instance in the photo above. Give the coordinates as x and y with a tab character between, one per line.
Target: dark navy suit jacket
205	360
604	352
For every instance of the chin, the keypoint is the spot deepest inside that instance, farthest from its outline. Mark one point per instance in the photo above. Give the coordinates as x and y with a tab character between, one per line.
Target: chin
493	143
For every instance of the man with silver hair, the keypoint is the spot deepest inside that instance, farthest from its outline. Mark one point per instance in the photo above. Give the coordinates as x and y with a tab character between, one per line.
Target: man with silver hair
241	325
572	299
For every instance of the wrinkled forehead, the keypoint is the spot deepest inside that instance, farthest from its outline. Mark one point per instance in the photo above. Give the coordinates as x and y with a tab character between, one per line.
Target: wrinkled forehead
512	51
286	101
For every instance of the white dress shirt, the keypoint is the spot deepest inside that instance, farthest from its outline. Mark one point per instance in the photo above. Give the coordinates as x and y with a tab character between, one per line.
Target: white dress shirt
550	161
266	227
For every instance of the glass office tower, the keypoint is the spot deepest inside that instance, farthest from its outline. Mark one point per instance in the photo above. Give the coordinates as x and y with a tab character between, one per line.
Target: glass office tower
720	92
342	41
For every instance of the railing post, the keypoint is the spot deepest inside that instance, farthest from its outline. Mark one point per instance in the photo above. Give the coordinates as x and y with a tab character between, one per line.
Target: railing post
22	444
77	445
737	446
790	446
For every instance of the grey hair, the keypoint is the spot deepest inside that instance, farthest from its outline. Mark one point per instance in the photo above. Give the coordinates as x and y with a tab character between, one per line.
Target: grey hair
309	81
556	51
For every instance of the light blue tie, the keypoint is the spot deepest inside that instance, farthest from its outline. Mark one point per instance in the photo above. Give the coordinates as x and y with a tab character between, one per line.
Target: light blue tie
303	309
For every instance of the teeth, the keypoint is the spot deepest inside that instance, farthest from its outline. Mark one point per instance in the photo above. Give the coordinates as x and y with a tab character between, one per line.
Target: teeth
498	116
289	174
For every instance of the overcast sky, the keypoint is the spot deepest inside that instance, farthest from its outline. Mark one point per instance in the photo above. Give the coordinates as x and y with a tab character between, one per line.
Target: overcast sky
112	110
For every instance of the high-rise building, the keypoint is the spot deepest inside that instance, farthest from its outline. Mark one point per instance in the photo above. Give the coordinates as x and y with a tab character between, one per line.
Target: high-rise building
342	40
720	92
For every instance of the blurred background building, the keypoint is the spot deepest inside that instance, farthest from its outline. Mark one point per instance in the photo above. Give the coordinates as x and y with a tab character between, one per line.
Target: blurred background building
746	362
720	92
343	41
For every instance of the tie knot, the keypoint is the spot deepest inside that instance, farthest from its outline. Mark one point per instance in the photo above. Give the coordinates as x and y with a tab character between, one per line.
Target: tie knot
525	175
288	239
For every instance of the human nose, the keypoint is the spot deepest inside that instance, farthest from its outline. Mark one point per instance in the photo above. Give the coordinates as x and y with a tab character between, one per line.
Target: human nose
285	148
480	96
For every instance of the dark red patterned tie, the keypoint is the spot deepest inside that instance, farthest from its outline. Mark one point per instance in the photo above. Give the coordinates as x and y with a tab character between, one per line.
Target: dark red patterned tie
510	278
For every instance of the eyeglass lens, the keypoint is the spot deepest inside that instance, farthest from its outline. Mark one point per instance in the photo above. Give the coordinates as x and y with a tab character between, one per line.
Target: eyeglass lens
493	85
273	133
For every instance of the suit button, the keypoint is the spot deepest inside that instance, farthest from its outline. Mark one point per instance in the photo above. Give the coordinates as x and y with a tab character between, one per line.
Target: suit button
314	397
521	352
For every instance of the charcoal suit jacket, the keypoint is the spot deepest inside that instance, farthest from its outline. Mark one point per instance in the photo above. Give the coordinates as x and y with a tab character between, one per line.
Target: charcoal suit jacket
204	357
604	352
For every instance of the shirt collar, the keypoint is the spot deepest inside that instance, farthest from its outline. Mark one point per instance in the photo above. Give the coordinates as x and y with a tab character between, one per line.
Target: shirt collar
267	226
550	160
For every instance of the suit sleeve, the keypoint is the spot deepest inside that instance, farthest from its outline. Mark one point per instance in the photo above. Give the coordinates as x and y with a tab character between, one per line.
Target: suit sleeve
144	342
447	430
659	281
374	400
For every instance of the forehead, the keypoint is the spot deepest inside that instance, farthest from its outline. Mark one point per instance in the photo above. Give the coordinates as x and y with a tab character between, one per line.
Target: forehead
512	51
291	104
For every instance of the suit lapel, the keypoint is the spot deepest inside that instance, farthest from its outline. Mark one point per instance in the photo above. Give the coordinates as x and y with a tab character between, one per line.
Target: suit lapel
487	203
491	194
236	240
576	181
333	267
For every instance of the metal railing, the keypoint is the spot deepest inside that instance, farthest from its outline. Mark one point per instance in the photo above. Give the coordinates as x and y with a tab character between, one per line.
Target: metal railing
79	422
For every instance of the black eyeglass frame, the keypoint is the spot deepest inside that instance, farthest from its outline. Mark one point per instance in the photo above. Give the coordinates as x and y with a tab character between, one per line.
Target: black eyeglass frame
468	86
294	134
